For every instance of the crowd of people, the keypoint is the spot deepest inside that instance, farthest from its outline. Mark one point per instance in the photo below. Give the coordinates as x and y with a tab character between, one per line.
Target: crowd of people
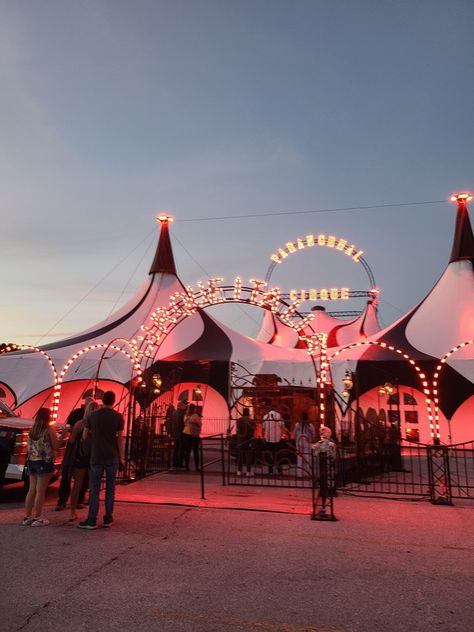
273	432
94	447
184	427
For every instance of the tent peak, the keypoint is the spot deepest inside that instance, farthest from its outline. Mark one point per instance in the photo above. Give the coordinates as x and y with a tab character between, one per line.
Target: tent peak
463	242
164	259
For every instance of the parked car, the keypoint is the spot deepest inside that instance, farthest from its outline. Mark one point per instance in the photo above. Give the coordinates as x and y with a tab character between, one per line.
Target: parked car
13	446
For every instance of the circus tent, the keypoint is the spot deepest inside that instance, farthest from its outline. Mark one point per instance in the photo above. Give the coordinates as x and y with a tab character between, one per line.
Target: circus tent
339	332
199	349
441	324
27	377
203	350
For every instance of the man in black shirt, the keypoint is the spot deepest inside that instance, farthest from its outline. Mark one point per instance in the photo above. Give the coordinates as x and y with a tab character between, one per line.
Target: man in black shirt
106	428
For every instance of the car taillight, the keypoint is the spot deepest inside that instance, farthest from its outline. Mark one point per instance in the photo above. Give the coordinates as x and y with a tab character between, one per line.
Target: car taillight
21	443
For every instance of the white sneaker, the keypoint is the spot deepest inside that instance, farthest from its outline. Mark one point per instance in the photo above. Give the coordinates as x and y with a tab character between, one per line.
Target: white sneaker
40	522
27	521
239	473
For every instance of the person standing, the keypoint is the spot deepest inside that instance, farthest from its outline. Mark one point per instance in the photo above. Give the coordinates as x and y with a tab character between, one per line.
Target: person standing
245	434
82	459
67	465
325	452
177	426
305	436
42	445
191	432
273	426
169	419
105	426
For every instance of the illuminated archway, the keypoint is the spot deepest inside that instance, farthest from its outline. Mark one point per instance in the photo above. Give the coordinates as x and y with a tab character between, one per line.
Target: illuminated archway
111	345
433	416
15	347
57	388
186	303
439	368
45	355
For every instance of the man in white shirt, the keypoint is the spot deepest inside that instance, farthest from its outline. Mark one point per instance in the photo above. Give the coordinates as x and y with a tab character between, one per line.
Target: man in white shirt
272	429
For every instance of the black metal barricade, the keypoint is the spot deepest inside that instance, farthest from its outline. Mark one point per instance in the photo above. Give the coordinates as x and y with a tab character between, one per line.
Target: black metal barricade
393	468
146	452
212	458
437	472
439	476
461	468
255	462
323	486
385	471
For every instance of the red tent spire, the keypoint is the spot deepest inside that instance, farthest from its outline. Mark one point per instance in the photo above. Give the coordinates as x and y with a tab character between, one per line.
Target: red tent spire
463	244
164	260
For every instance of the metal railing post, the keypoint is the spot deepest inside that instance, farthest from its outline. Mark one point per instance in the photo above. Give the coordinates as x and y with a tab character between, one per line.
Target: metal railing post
327	488
439	475
223	460
201	457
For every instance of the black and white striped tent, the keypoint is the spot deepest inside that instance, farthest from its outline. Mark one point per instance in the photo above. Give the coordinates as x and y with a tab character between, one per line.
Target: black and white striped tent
199	350
441	324
203	350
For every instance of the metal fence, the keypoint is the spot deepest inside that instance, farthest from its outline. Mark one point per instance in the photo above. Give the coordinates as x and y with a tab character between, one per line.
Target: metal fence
399	468
256	462
461	469
437	472
146	453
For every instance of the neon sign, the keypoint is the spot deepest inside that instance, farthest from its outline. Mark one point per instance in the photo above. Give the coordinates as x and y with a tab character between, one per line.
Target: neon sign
329	241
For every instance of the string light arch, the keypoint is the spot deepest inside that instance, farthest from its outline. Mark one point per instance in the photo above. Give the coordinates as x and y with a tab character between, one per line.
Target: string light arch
186	303
57	388
433	414
45	355
441	365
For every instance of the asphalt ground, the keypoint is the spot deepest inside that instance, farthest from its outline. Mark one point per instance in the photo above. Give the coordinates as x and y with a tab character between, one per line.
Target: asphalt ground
196	566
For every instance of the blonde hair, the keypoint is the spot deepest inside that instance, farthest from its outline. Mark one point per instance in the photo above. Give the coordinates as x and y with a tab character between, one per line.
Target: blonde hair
90	408
41	423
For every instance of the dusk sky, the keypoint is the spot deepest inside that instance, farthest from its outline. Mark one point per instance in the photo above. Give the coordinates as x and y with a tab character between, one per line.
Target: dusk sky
112	111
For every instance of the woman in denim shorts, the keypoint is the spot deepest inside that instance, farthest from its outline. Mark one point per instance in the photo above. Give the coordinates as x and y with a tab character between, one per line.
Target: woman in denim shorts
42	444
